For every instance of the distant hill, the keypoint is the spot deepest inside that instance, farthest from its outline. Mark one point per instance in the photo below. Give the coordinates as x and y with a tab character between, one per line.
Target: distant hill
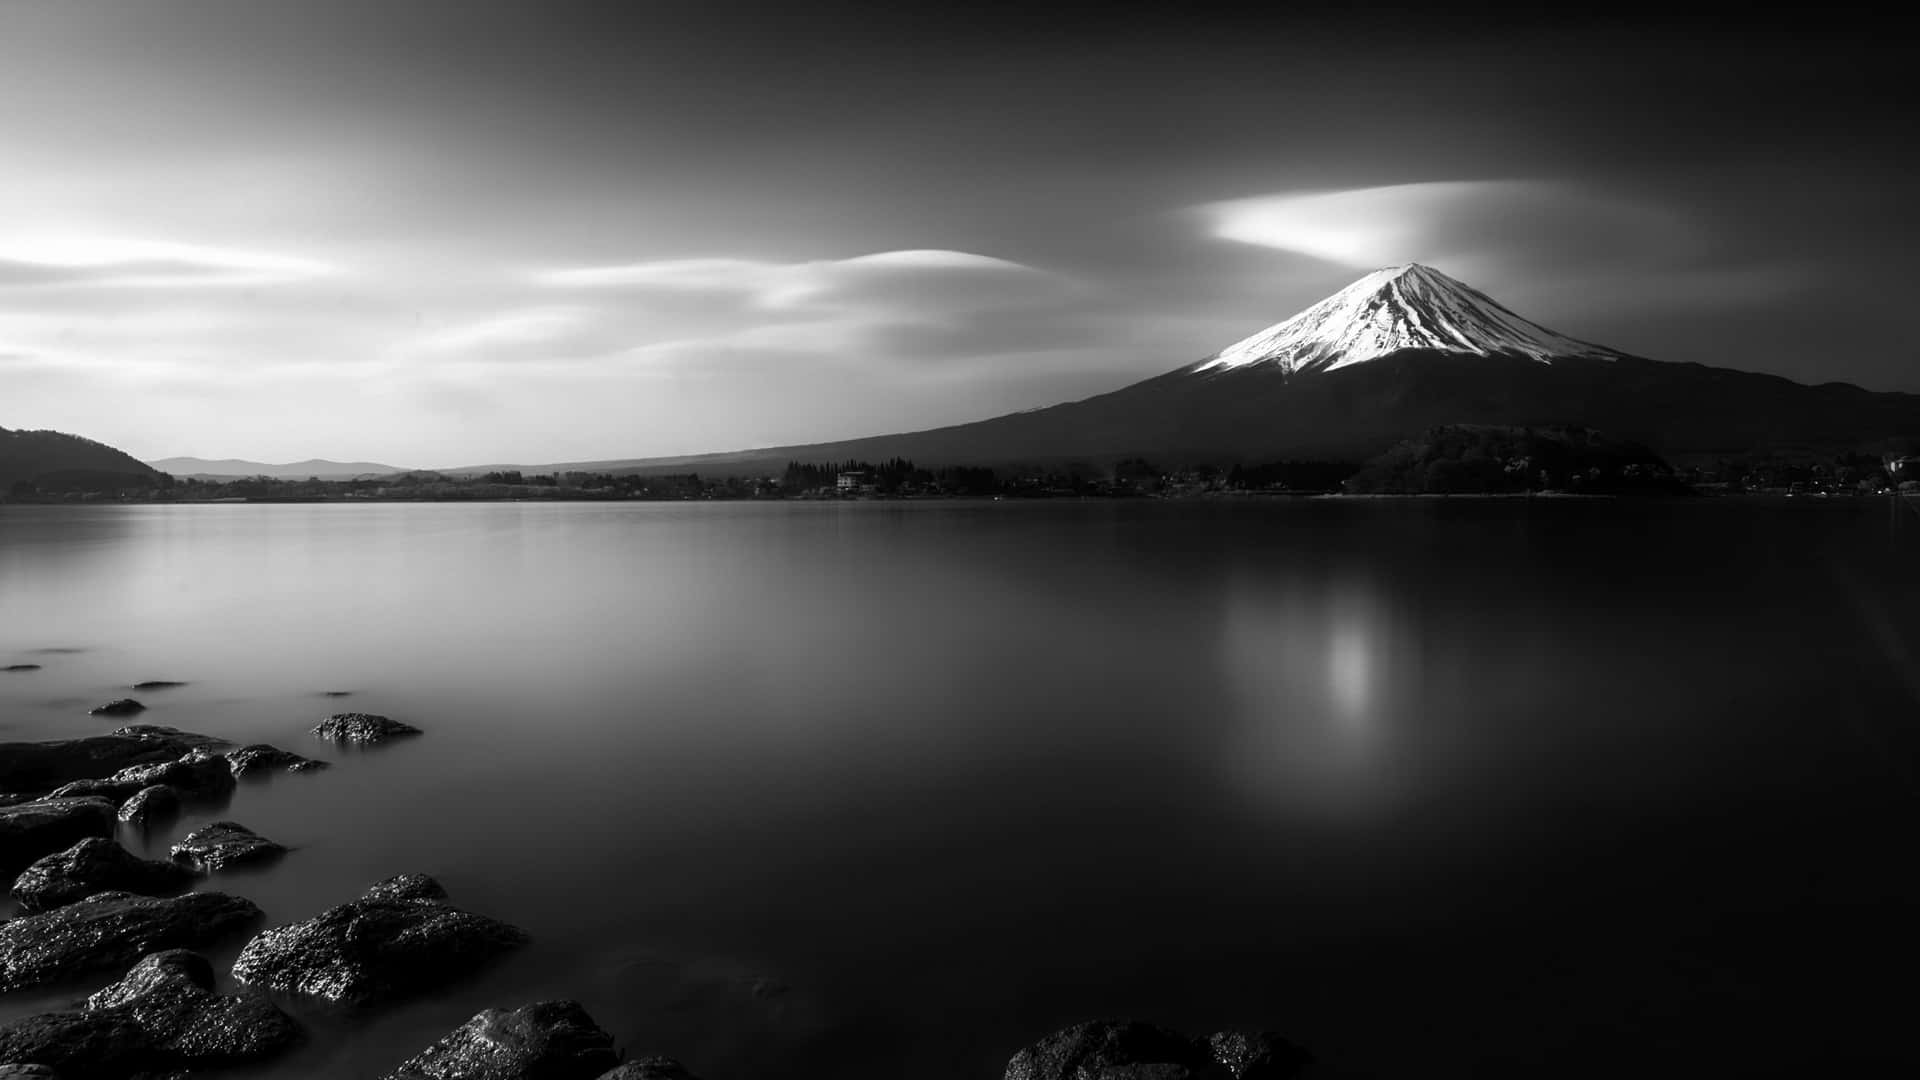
53	461
228	468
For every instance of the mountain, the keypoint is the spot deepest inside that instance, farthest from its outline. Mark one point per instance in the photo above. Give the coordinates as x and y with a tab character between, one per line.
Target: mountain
53	461
227	468
1398	352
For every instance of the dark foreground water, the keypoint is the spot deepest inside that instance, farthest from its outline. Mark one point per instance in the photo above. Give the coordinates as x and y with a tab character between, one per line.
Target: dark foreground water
1439	789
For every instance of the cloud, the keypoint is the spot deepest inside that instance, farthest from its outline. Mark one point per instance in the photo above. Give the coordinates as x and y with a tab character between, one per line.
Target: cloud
109	262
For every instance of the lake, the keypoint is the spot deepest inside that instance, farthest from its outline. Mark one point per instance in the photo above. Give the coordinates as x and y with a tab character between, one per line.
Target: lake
889	790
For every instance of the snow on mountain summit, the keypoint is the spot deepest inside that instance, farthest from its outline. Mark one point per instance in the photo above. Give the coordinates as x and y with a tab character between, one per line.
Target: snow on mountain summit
1401	307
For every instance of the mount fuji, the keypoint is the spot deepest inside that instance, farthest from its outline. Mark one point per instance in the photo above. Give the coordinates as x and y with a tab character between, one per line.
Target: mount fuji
1397	352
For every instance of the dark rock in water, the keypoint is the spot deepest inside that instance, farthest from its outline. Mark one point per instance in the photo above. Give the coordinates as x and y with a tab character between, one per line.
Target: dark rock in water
43	766
110	930
30	830
224	843
28	1072
123	707
114	791
336	693
260	757
21	667
94	865
162	1016
1258	1055
157	684
361	728
653	1068
397	939
196	774
547	1040
1113	1050
150	805
406	887
15	798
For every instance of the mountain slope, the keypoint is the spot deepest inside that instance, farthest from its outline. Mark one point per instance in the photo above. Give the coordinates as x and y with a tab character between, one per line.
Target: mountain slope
55	461
1398	352
294	470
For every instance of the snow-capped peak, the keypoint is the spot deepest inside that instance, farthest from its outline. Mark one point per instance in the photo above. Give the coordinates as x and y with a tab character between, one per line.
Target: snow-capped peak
1400	307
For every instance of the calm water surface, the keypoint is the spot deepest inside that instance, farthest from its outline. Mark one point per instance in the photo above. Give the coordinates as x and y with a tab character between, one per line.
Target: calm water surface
889	790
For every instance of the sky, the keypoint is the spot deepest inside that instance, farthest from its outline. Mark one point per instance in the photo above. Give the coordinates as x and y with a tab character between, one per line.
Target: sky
446	233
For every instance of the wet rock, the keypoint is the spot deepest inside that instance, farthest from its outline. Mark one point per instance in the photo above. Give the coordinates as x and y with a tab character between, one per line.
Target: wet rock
21	667
28	1072
1258	1055
397	939
222	844
260	757
112	929
114	791
653	1068
407	887
336	693
162	1016
15	798
123	707
157	684
91	866
44	826
43	766
150	805
200	774
361	728
547	1040
1115	1050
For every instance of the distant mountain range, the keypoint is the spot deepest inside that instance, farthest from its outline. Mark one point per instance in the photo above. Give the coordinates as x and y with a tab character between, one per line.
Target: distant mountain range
1397	352
202	468
52	461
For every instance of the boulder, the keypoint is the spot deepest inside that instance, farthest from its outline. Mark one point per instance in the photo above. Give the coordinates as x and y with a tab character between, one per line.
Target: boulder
28	1072
91	866
1115	1050
21	667
163	1015
112	929
547	1040
653	1068
260	757
114	791
43	766
150	805
201	774
157	684
222	844
1258	1055
125	706
44	826
398	938
356	727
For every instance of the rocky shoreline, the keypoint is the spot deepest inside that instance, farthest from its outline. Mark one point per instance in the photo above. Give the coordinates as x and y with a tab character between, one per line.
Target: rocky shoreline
91	908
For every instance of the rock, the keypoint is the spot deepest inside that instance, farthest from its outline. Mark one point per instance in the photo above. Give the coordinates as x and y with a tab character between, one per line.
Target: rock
43	766
44	826
150	805
162	1016
91	866
21	667
114	791
15	798
653	1068
112	929
336	693
1258	1055
406	887
199	773
222	844
361	728
1115	1050
260	757
397	939
157	684
28	1072
126	706
547	1040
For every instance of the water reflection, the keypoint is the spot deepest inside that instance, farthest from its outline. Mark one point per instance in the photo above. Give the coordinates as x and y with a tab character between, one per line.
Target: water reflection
1318	673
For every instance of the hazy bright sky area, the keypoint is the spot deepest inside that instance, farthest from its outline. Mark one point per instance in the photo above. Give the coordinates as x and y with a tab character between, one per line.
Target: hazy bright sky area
447	233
